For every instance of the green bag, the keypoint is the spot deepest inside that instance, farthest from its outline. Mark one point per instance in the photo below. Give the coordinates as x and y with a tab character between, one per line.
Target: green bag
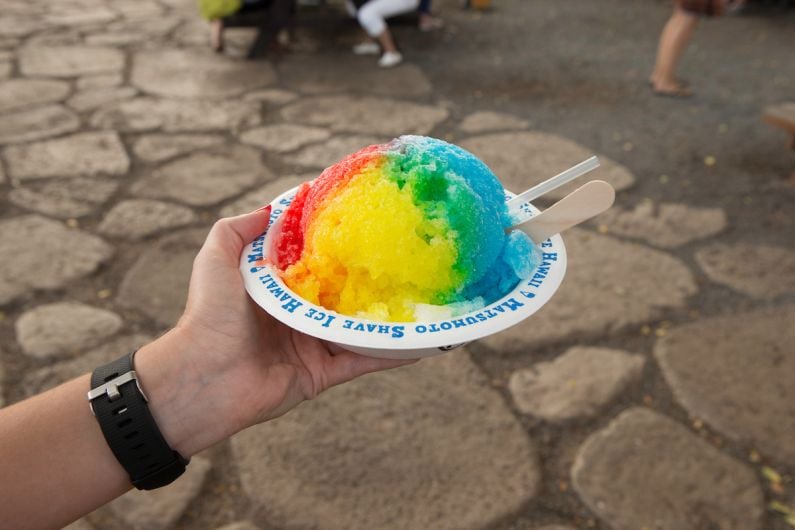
213	9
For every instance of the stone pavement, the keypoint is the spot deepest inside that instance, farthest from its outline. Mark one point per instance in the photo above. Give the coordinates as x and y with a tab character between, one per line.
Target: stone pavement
655	391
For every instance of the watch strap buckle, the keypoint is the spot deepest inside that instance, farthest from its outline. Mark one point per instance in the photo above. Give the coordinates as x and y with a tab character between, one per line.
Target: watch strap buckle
112	388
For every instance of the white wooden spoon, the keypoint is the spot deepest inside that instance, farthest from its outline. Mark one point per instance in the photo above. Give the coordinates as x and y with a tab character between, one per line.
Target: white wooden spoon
580	205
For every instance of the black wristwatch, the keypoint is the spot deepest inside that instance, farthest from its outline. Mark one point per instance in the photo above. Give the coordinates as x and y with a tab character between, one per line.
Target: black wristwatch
120	406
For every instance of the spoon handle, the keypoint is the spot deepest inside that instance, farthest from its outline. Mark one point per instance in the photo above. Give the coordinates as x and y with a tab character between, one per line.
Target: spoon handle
555	182
580	205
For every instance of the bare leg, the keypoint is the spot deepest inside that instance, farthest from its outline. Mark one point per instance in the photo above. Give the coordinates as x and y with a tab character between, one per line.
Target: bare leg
386	41
217	35
674	39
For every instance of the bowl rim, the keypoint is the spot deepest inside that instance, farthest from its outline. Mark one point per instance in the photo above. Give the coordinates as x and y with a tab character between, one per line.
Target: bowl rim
263	284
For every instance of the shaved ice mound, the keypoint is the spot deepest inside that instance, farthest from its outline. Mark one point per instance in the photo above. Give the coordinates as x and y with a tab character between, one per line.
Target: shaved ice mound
414	229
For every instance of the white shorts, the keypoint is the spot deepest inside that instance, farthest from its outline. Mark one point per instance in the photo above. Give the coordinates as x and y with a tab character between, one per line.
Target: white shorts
372	14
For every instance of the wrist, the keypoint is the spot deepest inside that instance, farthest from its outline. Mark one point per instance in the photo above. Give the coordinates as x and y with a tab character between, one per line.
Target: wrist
180	394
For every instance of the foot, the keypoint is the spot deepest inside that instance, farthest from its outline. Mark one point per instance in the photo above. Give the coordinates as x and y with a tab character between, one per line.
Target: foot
671	90
430	23
681	82
390	59
367	48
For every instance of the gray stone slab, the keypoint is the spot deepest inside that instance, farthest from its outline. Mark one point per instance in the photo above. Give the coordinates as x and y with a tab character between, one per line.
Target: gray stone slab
197	73
42	254
19	93
488	121
426	446
646	471
117	38
160	509
193	33
54	38
81	17
19	26
157	27
53	375
159	147
603	292
366	115
578	384
5	69
525	525
264	194
760	271
284	137
82	154
37	123
315	74
90	82
91	99
272	96
737	374
324	154
62	328
147	114
69	61
206	178
157	284
141	9
10	43
239	525
138	218
665	225
523	159
64	198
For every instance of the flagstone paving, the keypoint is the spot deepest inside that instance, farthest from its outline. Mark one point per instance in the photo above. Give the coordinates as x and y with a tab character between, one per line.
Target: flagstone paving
64	328
64	198
576	384
741	380
655	389
377	454
646	471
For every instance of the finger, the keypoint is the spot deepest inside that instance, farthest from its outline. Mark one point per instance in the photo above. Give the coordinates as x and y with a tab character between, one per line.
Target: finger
346	365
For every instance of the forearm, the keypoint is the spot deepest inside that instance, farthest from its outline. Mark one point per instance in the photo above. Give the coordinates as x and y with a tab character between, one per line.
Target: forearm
55	465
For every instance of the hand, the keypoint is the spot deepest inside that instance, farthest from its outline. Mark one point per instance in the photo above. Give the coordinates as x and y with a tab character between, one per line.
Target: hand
228	364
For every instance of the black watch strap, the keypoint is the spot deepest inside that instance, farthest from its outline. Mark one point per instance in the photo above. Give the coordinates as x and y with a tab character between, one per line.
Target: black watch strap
119	404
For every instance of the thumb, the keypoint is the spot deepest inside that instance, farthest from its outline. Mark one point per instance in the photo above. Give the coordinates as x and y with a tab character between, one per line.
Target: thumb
233	233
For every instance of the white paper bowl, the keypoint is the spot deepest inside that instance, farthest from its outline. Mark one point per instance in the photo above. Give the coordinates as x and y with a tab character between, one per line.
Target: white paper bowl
404	340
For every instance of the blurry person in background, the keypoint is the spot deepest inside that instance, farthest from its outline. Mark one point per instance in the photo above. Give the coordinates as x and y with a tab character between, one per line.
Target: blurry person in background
371	15
428	22
270	17
675	38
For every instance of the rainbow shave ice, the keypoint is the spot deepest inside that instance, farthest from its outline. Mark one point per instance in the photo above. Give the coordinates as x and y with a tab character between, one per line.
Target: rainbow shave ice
414	229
